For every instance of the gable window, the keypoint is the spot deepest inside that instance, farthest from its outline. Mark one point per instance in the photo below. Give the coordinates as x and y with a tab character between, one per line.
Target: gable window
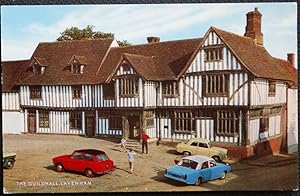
35	92
272	88
170	88
37	69
129	87
227	123
183	122
149	119
264	124
213	54
215	85
44	119
109	91
76	92
115	122
126	68
75	120
76	67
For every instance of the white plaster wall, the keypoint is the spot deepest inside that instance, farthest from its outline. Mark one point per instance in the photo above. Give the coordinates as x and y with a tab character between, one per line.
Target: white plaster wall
12	122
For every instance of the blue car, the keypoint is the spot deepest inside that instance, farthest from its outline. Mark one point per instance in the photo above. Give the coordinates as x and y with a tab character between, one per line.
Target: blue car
197	169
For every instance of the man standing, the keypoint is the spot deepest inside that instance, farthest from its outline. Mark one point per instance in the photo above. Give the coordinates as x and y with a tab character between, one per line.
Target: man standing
144	138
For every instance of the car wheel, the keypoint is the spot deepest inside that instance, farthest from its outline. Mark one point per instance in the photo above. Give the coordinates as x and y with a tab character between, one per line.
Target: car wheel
186	153
89	173
216	158
59	167
198	182
9	164
223	175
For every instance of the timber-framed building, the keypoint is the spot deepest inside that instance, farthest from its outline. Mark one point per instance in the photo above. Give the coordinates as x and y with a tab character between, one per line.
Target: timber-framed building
223	87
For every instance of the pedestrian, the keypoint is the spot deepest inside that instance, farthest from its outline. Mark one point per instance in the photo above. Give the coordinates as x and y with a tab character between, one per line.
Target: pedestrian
123	144
131	155
144	138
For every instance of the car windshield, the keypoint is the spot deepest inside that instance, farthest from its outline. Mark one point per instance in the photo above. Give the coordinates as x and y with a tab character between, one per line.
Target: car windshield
188	163
102	157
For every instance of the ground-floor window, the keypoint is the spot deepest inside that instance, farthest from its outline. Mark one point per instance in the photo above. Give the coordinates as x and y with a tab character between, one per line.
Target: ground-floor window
44	119
263	124
115	122
149	119
227	123
183	122
75	120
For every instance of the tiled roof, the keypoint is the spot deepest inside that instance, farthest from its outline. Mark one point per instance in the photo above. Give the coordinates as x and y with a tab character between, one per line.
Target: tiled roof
58	55
257	59
11	71
168	59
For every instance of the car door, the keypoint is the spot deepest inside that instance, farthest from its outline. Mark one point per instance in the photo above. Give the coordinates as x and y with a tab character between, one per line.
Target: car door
205	171
203	149
193	148
215	172
88	162
76	161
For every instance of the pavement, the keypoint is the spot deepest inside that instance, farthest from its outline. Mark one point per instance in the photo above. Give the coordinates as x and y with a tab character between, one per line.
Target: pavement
275	160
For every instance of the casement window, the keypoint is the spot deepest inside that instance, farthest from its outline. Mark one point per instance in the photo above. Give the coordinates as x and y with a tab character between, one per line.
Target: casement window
170	88
35	92
109	91
75	120
272	88
183	122
149	119
215	85
264	124
44	119
213	54
115	122
129	87
227	123
76	92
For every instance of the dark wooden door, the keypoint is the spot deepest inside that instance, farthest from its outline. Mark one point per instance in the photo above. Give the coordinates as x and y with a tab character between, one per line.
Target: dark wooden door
90	126
31	121
134	126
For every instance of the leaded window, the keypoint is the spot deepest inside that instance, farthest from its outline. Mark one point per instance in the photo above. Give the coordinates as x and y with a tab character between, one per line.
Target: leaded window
149	119
75	120
170	88
272	88
213	54
215	85
76	92
183	121
35	92
129	87
227	123
44	119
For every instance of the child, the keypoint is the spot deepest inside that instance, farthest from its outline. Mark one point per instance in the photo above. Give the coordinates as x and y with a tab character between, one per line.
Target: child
131	155
123	144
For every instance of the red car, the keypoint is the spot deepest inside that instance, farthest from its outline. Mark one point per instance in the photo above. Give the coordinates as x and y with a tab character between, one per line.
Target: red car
88	161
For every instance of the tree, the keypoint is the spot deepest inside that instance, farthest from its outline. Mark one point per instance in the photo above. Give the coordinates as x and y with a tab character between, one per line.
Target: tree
74	33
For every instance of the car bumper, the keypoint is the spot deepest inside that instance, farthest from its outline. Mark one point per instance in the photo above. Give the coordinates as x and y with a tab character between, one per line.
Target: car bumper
106	171
177	179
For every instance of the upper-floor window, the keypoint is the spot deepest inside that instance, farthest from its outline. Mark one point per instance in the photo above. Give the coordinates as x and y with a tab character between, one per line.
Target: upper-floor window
272	88
126	68
129	87
149	119
227	123
44	119
109	91
76	92
213	54
215	85
75	120
170	88
76	67
35	92
183	122
37	69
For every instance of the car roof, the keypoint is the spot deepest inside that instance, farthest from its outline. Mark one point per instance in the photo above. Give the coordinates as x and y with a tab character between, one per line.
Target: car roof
90	151
198	158
199	139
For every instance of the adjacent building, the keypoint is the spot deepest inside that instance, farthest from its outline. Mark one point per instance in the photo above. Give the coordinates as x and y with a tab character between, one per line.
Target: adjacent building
223	87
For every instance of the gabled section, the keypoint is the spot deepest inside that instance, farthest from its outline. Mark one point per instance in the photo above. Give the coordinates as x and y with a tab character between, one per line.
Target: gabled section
38	65
77	64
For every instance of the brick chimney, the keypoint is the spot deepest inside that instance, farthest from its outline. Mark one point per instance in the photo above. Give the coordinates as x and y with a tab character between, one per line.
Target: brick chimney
153	40
291	58
253	28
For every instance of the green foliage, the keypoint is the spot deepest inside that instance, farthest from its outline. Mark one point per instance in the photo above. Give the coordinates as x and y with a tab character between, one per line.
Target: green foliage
74	33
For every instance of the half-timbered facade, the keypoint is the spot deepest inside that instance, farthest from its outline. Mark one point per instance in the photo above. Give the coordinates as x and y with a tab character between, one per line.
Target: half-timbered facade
223	87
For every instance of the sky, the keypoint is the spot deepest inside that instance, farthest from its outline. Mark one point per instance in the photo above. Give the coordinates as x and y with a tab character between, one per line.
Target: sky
23	27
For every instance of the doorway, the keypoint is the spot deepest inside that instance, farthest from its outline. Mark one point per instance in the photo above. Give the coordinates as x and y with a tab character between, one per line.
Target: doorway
31	121
90	124
134	126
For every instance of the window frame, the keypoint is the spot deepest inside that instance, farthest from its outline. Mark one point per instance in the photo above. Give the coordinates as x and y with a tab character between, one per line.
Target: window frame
215	85
44	119
264	124
271	88
183	122
75	120
115	122
76	92
149	117
129	87
212	54
170	89
35	92
227	123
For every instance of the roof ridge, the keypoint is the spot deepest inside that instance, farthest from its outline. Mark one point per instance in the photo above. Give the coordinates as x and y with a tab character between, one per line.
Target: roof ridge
82	40
241	36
